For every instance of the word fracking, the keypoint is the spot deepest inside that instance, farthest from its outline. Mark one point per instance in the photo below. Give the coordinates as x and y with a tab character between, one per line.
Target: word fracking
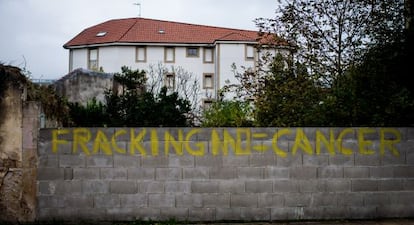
239	141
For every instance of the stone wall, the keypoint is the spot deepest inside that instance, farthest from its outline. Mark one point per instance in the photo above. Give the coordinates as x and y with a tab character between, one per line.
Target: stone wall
18	148
82	85
225	174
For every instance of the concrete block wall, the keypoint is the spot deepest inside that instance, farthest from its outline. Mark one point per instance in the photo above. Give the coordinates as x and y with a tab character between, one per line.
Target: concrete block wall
225	174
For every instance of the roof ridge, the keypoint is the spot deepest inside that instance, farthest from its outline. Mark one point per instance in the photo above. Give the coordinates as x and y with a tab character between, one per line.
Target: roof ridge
176	22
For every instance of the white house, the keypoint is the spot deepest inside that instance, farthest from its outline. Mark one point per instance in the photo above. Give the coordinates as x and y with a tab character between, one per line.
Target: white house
206	51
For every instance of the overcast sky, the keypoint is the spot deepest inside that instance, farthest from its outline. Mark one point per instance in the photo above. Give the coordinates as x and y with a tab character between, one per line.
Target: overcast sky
32	32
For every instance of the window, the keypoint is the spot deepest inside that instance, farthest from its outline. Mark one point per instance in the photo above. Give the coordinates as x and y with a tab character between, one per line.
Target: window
192	52
169	80
93	56
249	52
208	81
208	55
169	54
141	54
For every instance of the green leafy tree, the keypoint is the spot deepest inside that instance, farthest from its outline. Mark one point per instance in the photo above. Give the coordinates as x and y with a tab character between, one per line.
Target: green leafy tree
227	113
288	98
91	115
133	105
332	35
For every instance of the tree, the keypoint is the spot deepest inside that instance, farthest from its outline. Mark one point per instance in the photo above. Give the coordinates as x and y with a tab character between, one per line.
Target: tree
227	113
138	104
288	97
183	83
331	35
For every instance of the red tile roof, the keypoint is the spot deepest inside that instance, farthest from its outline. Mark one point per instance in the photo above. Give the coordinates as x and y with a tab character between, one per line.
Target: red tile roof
142	30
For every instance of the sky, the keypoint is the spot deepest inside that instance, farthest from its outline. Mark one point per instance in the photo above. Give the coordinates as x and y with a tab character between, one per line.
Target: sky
32	32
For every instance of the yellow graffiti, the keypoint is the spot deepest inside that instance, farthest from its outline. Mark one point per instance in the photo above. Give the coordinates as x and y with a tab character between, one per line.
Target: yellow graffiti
240	141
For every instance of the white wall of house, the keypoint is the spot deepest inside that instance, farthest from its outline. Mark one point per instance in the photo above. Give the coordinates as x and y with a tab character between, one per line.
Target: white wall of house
112	58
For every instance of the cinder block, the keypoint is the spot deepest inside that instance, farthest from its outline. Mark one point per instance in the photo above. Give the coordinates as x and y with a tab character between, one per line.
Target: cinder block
100	161
134	200
377	199
404	172
168	174
114	173
46	188
341	160
155	161
255	214
48	161
121	214
285	185
106	201
50	174
161	200
303	172
202	214
311	186
141	174
223	172
367	160
244	200
72	161
129	161
204	186
216	200
198	173
323	199
123	187
330	172
297	199
95	186
365	212
390	185
45	202
231	186
179	214
68	173
402	198
151	187
68	187
395	211
181	161
147	214
76	201
178	186
262	160
315	160
276	173
289	160
356	172
408	184
338	185
280	213
189	200
234	160
209	161
229	214
267	200
85	173
259	186
389	159
250	172
364	185
350	199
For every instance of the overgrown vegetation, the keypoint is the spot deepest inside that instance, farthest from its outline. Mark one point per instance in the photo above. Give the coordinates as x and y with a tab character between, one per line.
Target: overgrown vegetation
133	105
